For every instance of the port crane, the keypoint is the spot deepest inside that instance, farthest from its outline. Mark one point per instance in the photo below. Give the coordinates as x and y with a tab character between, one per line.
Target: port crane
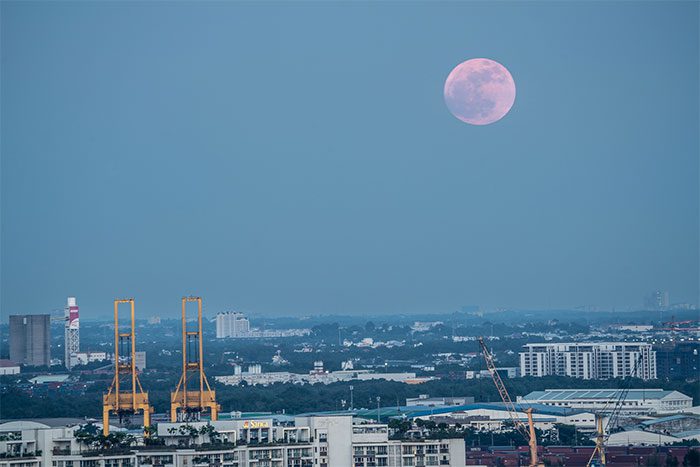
188	404
528	432
603	431
125	396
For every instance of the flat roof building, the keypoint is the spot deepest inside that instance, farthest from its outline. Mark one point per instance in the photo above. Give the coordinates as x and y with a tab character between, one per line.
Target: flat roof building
589	360
638	401
30	339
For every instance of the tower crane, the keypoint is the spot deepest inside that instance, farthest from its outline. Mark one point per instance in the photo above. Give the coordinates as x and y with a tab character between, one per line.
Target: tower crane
603	431
528	432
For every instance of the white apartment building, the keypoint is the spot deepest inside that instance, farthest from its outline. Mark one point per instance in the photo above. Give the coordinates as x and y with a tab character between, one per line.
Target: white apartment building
590	360
232	324
637	401
304	441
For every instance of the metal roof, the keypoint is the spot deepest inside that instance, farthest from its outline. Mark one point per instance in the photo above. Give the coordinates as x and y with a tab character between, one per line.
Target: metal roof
422	411
578	394
670	418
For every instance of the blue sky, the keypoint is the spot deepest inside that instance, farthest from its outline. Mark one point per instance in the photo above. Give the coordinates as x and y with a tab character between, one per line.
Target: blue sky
298	158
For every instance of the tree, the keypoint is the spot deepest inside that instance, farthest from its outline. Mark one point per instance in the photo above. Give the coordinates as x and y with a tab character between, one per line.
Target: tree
692	458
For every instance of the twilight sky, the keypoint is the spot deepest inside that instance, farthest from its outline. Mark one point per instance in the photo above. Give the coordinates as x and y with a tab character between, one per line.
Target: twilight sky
299	158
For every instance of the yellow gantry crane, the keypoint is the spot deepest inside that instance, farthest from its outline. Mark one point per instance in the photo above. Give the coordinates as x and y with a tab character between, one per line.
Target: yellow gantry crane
187	405
125	396
528	432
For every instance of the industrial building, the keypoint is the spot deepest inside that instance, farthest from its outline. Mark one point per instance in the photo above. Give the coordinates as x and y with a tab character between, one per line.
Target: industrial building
30	339
590	360
232	324
424	400
637	401
301	441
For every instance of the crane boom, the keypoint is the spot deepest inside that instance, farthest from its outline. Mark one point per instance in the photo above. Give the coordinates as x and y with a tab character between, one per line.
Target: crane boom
528	432
603	432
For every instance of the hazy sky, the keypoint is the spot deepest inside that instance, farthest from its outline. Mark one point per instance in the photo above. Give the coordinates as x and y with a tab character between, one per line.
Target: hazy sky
299	158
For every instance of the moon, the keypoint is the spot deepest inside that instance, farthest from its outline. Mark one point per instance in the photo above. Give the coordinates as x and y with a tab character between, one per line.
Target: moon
479	91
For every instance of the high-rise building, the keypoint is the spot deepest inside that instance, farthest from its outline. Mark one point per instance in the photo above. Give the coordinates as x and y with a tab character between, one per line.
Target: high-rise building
30	339
678	360
232	324
657	300
590	360
72	333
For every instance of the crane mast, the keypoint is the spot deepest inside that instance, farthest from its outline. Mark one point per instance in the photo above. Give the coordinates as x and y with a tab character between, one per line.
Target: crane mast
528	432
125	395
187	404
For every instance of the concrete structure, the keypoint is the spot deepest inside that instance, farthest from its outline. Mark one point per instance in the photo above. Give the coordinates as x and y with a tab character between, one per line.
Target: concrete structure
232	324
255	376
43	379
140	360
679	360
424	400
30	339
638	401
590	360
8	367
83	358
303	441
71	333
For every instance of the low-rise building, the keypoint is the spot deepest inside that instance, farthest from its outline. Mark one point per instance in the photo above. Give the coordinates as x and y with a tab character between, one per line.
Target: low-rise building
427	401
8	367
637	401
302	441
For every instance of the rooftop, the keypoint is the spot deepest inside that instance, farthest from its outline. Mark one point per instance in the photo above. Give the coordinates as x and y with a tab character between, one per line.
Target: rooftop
577	394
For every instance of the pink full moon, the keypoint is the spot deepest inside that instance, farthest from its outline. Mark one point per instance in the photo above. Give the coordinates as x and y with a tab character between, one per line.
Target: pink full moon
479	91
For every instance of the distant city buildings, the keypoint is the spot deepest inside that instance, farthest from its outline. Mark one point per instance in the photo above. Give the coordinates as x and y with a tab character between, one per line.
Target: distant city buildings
503	372
424	400
154	320
657	300
30	339
232	324
636	402
593	360
255	376
423	326
83	358
71	345
140	360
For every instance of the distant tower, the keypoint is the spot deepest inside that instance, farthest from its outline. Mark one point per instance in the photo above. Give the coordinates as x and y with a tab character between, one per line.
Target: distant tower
72	343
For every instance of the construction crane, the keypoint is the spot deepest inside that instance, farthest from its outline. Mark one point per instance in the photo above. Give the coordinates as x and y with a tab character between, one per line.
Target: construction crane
187	405
528	432
603	432
125	396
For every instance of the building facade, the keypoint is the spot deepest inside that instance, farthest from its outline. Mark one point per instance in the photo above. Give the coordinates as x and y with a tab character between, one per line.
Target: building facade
232	324
313	441
678	360
591	360
30	339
